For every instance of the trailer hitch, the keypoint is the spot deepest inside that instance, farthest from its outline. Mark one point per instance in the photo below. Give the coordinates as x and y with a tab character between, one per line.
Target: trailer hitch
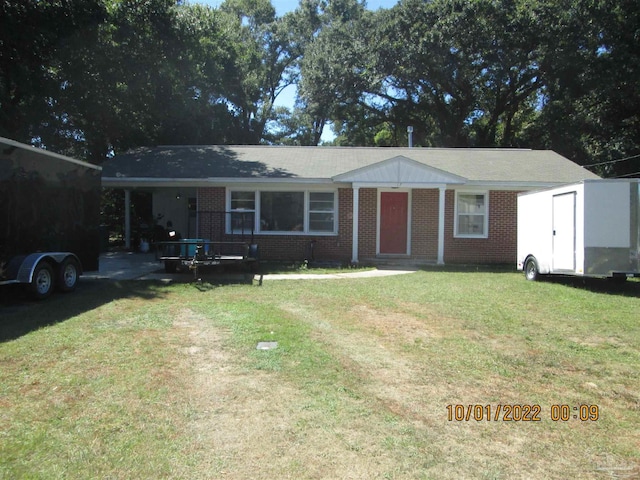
198	257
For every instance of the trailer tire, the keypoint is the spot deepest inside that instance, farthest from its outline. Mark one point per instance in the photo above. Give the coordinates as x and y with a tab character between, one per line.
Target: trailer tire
42	282
531	271
68	274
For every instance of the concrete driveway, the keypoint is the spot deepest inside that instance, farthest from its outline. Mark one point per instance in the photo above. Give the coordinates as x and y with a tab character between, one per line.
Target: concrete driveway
128	266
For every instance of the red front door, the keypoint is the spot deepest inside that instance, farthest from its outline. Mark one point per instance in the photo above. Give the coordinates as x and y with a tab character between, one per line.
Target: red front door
393	222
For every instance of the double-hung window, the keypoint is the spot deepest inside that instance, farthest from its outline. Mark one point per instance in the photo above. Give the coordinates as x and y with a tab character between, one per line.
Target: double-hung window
286	211
471	215
322	212
243	211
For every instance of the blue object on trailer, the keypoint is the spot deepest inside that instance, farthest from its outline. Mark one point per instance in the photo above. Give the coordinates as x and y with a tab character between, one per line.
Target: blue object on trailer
188	247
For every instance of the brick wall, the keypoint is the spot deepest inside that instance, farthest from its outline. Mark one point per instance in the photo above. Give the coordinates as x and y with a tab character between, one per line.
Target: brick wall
211	200
499	247
424	223
367	221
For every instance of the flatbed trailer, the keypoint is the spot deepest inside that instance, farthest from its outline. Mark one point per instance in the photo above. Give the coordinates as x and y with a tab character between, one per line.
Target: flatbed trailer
224	246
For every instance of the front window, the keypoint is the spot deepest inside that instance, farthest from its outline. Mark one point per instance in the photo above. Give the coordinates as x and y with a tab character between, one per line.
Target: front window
471	215
281	211
304	212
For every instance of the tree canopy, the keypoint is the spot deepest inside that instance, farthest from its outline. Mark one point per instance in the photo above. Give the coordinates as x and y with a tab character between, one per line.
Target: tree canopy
95	77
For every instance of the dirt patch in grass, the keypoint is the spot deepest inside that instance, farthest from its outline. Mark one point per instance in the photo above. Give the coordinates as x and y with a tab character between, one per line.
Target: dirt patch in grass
400	326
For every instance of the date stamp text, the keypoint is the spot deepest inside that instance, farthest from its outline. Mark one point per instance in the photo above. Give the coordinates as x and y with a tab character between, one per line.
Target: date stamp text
521	413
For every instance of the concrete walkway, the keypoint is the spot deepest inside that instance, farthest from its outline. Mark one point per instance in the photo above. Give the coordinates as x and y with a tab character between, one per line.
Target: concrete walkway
144	266
323	276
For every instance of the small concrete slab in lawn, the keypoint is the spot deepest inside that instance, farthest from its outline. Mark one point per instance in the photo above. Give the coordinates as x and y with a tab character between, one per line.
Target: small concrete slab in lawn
267	345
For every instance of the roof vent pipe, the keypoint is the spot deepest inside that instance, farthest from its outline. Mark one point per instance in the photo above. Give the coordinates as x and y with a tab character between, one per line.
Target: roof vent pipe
410	135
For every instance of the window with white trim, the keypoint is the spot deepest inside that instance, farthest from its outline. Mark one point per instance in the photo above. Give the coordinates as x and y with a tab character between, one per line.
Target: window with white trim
284	211
243	211
471	215
322	212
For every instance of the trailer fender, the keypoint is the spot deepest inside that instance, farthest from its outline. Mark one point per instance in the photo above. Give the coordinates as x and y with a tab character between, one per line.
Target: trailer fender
543	268
30	262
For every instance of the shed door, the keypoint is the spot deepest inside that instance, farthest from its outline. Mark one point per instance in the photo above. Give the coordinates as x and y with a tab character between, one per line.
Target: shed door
564	232
393	222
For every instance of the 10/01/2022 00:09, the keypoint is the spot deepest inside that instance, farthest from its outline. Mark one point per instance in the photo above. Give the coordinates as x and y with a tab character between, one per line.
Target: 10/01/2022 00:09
521	413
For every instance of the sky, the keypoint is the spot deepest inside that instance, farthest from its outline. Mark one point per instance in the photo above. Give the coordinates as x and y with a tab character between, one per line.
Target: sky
288	96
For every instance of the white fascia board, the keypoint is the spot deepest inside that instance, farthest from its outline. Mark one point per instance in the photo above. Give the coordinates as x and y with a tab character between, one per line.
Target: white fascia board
132	182
284	181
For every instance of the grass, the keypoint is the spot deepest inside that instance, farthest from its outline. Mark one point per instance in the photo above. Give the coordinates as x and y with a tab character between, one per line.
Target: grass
138	380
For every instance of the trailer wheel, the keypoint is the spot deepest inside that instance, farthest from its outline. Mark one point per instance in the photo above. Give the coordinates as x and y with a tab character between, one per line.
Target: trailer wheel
42	282
68	274
531	269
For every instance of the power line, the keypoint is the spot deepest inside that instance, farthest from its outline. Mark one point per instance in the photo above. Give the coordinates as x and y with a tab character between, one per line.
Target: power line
627	175
612	161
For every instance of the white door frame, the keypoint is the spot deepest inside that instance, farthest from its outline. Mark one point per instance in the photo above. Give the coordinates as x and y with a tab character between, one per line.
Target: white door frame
408	191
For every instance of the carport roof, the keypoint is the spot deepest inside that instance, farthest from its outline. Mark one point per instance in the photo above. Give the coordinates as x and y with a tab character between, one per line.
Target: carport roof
292	164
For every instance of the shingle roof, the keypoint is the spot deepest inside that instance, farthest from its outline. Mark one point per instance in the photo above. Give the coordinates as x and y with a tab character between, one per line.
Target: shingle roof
274	162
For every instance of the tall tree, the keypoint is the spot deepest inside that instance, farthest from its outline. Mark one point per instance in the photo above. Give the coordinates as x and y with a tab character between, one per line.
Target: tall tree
591	99
154	72
265	64
332	69
461	72
31	34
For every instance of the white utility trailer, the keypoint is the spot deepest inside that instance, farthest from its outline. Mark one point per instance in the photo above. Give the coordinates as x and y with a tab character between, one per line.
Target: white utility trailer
590	229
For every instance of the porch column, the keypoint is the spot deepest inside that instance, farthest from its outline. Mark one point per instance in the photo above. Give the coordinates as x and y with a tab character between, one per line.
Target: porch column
127	219
354	240
441	226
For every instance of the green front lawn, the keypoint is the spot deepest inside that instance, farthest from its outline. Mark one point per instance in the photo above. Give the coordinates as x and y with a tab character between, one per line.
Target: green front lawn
141	380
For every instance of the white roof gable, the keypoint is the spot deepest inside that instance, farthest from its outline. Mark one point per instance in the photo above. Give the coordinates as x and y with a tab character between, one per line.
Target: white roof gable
398	171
